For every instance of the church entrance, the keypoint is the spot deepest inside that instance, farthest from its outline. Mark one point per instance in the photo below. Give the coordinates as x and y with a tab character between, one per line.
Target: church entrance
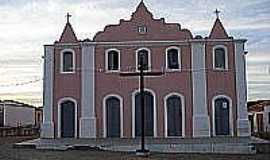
174	116
113	117
222	116
149	114
67	119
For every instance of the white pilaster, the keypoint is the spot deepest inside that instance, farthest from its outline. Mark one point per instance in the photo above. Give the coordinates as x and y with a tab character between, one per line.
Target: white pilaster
201	123
47	127
88	119
241	90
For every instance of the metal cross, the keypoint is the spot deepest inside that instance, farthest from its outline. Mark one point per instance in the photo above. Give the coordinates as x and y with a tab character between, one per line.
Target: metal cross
142	74
68	16
217	12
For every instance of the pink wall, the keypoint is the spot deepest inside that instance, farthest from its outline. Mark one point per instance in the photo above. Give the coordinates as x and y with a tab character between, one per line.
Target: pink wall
66	85
111	83
221	82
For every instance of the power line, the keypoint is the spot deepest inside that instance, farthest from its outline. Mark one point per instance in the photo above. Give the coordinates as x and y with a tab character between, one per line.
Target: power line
22	83
131	68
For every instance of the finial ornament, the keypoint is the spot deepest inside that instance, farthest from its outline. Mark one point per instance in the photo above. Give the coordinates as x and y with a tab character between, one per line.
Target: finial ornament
217	12
68	16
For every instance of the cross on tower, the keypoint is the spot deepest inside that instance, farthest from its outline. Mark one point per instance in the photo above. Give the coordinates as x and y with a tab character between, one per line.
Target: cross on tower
68	16
217	12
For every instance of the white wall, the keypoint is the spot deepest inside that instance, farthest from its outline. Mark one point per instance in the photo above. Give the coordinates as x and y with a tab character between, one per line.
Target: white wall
18	115
266	122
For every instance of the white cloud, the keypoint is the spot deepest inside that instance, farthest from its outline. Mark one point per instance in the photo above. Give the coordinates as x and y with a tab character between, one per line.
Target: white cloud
26	25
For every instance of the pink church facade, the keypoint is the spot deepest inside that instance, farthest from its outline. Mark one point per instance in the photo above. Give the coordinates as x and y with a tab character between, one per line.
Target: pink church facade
202	92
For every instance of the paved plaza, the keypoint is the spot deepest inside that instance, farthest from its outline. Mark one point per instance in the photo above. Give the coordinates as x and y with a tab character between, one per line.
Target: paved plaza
7	152
221	145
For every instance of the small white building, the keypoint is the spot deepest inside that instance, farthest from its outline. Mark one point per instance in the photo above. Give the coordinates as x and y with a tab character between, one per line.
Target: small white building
14	114
259	116
267	118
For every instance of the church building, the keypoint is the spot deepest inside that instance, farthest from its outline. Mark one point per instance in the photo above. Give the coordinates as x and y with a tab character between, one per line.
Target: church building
202	92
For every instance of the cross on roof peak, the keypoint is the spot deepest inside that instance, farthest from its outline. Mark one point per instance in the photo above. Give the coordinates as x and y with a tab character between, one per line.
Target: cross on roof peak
217	12
68	16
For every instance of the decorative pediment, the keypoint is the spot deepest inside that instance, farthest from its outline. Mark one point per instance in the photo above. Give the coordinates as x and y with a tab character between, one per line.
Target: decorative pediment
142	20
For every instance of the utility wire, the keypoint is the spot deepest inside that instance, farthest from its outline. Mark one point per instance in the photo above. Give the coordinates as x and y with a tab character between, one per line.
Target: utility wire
21	83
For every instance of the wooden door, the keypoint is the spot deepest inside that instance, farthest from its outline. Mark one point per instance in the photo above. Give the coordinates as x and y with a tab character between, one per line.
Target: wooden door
67	119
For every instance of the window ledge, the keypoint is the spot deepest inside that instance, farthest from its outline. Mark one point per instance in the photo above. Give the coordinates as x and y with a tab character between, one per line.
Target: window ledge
112	71
67	72
173	70
221	69
138	71
175	137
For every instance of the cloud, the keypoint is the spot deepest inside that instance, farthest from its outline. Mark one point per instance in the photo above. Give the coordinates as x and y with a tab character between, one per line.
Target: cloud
26	25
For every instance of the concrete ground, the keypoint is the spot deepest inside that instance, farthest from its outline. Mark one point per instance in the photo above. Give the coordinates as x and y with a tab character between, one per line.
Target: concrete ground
214	145
7	152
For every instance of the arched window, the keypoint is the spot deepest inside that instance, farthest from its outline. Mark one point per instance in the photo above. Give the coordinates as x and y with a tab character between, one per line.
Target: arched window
113	60
67	61
220	58
143	56
173	58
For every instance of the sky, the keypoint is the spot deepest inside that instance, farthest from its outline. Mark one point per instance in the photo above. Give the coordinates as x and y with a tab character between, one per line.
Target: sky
26	25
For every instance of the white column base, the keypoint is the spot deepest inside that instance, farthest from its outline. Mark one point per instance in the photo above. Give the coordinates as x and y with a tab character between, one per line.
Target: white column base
88	127
201	126
47	130
243	129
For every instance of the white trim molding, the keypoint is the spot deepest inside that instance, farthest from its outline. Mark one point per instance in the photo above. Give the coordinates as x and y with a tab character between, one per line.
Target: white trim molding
106	60
243	126
133	110
88	116
149	59
59	115
105	112
226	58
230	114
201	120
166	114
73	60
47	128
179	59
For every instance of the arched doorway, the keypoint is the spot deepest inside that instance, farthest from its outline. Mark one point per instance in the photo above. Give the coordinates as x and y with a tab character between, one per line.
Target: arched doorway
67	119
174	116
222	116
149	114
113	126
